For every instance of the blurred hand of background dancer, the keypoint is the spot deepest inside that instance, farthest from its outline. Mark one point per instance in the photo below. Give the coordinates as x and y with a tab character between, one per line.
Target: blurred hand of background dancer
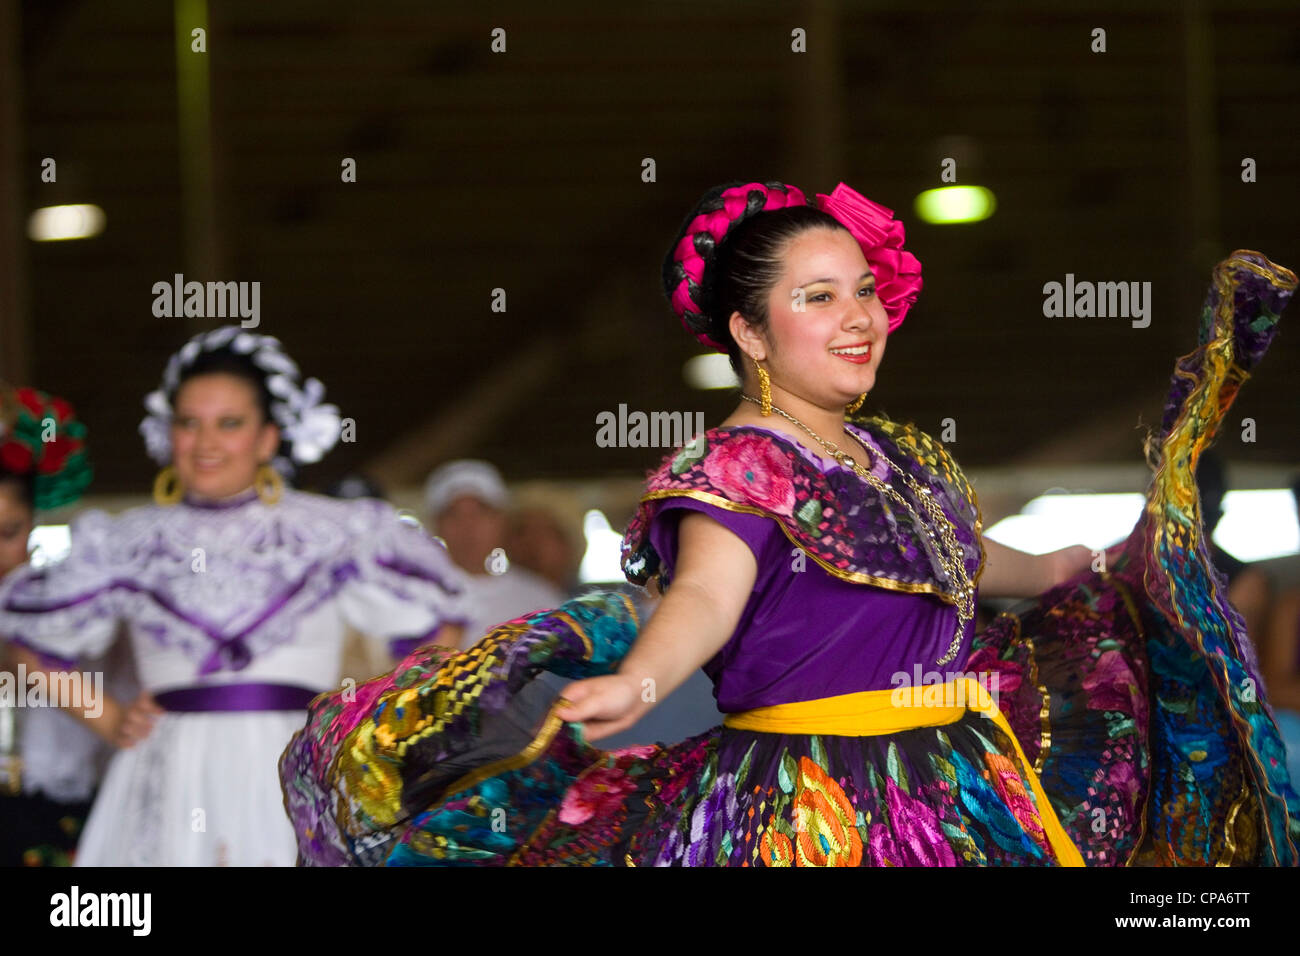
118	724
136	722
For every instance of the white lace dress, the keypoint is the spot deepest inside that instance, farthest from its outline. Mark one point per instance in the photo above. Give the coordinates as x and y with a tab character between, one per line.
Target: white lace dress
243	594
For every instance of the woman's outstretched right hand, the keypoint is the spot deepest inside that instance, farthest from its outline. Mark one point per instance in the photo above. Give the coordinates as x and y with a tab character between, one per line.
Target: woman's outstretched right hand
604	705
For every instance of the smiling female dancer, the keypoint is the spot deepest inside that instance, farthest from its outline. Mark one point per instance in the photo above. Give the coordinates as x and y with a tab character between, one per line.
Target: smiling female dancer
807	562
236	592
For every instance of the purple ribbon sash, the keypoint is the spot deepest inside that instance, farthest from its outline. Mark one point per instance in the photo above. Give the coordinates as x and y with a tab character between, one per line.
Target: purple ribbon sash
235	697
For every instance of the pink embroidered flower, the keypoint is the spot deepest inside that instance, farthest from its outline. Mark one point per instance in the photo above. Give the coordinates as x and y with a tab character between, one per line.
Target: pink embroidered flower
881	848
755	471
985	661
917	838
1111	685
1123	777
642	751
597	794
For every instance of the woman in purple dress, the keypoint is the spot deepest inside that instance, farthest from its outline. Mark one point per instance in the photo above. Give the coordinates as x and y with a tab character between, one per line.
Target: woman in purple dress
824	574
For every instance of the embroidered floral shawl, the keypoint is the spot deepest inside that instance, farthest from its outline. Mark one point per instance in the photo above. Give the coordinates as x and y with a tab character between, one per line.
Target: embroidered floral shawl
854	531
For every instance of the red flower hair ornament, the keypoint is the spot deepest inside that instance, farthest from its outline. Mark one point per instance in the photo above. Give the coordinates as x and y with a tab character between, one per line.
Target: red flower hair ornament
41	436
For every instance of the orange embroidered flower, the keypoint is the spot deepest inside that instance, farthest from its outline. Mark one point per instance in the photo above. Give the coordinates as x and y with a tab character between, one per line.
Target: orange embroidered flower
775	849
824	821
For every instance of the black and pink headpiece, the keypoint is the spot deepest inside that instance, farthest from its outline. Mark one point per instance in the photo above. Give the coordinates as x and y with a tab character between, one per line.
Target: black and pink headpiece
897	271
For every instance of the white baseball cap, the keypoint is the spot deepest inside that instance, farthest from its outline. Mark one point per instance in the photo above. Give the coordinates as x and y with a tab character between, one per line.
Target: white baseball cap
467	476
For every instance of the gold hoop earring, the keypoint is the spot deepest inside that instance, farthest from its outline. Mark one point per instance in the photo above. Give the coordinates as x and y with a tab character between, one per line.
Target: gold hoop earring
269	484
167	488
850	409
764	389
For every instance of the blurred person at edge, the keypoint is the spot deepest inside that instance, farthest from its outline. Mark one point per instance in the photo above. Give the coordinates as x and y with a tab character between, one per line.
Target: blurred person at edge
1279	655
53	763
542	540
466	504
235	591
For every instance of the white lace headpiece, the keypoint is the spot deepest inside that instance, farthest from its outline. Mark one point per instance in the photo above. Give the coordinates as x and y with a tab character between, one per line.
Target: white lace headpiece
308	427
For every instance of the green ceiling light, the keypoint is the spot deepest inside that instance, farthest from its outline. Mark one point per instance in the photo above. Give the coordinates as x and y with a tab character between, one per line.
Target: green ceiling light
949	204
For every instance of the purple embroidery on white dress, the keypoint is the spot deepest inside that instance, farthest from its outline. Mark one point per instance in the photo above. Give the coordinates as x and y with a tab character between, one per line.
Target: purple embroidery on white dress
224	585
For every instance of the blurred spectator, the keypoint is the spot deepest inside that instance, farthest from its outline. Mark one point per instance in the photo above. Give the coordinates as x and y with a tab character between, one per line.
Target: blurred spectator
465	504
1279	661
540	539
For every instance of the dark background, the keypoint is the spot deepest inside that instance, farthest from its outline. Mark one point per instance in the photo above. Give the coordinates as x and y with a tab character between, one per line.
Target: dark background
522	170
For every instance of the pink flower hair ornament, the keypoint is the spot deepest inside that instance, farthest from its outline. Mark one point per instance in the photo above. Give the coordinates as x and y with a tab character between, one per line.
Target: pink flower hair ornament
897	271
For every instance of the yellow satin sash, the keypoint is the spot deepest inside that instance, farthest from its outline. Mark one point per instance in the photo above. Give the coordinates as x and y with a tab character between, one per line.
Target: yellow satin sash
873	712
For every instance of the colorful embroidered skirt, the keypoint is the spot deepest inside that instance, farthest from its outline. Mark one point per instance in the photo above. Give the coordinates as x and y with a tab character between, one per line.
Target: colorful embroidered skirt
1133	693
456	758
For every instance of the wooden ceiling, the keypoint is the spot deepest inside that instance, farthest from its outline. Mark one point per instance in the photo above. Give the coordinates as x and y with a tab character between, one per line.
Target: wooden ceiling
522	171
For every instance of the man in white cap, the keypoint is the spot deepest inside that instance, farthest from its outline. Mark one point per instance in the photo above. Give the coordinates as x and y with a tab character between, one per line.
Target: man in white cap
465	504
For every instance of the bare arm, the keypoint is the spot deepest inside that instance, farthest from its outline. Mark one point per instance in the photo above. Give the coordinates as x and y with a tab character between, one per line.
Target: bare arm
714	577
119	724
1277	655
1252	595
1012	573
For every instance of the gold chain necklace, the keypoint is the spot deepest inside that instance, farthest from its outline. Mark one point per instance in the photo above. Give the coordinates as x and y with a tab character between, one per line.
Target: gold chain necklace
945	544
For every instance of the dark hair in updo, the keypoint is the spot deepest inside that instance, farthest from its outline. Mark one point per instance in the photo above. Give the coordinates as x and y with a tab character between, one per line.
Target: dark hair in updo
745	265
225	362
23	485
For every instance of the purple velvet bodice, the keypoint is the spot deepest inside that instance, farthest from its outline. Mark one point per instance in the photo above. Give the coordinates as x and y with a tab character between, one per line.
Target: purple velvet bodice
806	634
